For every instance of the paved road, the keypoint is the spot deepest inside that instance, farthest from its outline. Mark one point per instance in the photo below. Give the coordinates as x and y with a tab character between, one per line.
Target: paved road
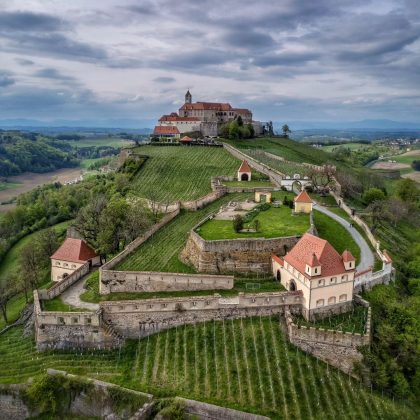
366	255
71	296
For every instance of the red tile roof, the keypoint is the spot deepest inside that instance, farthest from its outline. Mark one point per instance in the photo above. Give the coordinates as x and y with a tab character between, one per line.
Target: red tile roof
329	259
212	106
166	130
277	259
303	197
177	118
347	256
244	167
186	138
74	250
313	261
242	111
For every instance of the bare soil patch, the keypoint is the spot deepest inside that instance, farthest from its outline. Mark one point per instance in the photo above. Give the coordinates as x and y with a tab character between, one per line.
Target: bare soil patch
390	165
29	181
412	153
415	176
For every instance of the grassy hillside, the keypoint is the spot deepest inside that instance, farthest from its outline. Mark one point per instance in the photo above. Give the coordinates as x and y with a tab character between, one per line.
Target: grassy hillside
160	252
181	173
246	364
286	148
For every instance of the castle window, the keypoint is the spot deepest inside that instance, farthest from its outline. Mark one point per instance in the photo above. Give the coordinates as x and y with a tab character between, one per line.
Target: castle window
319	303
194	303
207	302
58	263
343	298
344	278
253	300
61	320
333	280
316	271
320	282
73	266
65	265
164	305
88	320
331	300
149	306
74	320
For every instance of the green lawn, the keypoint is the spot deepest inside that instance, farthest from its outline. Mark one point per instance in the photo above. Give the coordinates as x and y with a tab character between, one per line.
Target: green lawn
58	305
248	184
5	185
351	146
248	284
161	251
246	364
10	263
336	234
274	222
181	173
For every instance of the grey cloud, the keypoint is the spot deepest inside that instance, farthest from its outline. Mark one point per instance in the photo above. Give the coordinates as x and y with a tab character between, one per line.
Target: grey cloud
6	79
248	38
285	59
29	21
24	61
51	73
164	80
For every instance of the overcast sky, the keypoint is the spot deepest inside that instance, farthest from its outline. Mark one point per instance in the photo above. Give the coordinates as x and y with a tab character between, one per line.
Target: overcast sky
313	60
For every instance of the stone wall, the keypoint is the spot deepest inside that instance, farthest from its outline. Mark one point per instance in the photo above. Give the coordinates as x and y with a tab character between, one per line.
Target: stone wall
69	330
140	318
234	255
12	407
275	176
146	281
202	201
337	348
204	411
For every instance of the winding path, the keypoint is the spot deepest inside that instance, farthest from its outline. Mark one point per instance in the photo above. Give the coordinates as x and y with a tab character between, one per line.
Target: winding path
71	296
366	255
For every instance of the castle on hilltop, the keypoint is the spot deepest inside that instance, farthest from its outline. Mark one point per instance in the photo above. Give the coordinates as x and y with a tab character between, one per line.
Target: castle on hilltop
206	118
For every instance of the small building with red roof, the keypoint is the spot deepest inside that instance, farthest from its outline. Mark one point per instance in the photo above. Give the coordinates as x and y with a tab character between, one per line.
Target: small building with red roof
244	172
72	254
166	131
303	203
325	277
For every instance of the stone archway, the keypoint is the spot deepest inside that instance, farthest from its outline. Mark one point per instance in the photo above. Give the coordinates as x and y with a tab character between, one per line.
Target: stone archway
278	275
297	186
244	177
292	286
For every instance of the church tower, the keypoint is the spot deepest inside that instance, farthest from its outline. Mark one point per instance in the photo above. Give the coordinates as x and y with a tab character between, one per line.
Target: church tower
188	97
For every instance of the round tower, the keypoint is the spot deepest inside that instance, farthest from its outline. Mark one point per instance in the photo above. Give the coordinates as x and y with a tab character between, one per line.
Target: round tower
188	97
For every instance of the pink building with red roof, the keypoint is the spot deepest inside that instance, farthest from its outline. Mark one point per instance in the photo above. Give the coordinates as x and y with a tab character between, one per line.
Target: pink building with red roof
72	254
325	277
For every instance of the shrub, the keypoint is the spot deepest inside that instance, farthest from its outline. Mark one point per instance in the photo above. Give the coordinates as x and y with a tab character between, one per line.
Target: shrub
373	194
238	223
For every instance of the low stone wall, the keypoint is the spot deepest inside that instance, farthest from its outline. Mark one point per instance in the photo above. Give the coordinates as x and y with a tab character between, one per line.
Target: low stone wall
146	281
234	255
140	318
63	285
202	201
204	411
366	279
337	348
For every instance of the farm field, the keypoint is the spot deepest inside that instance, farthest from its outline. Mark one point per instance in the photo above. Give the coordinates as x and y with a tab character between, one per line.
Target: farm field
286	148
181	173
352	146
111	141
258	371
248	184
8	185
160	252
274	222
335	234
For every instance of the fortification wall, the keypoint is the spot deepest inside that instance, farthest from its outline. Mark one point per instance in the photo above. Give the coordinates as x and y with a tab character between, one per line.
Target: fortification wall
235	255
69	330
140	318
337	348
202	201
146	281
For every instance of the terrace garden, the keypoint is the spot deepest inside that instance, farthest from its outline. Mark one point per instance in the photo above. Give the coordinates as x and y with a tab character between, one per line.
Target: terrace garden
272	222
246	364
180	173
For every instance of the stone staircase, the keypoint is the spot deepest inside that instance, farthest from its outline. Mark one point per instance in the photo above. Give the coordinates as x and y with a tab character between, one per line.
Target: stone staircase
108	328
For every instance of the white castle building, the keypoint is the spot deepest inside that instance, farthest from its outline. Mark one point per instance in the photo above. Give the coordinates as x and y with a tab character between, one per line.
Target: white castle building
204	117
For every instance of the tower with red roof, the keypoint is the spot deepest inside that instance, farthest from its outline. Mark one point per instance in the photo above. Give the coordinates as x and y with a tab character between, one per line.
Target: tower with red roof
303	203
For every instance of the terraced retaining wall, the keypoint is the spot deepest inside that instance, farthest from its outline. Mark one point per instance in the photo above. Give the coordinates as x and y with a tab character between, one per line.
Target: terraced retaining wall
146	281
140	318
234	255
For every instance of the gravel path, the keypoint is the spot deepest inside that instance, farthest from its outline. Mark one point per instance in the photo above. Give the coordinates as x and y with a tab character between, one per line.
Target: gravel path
366	255
72	295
